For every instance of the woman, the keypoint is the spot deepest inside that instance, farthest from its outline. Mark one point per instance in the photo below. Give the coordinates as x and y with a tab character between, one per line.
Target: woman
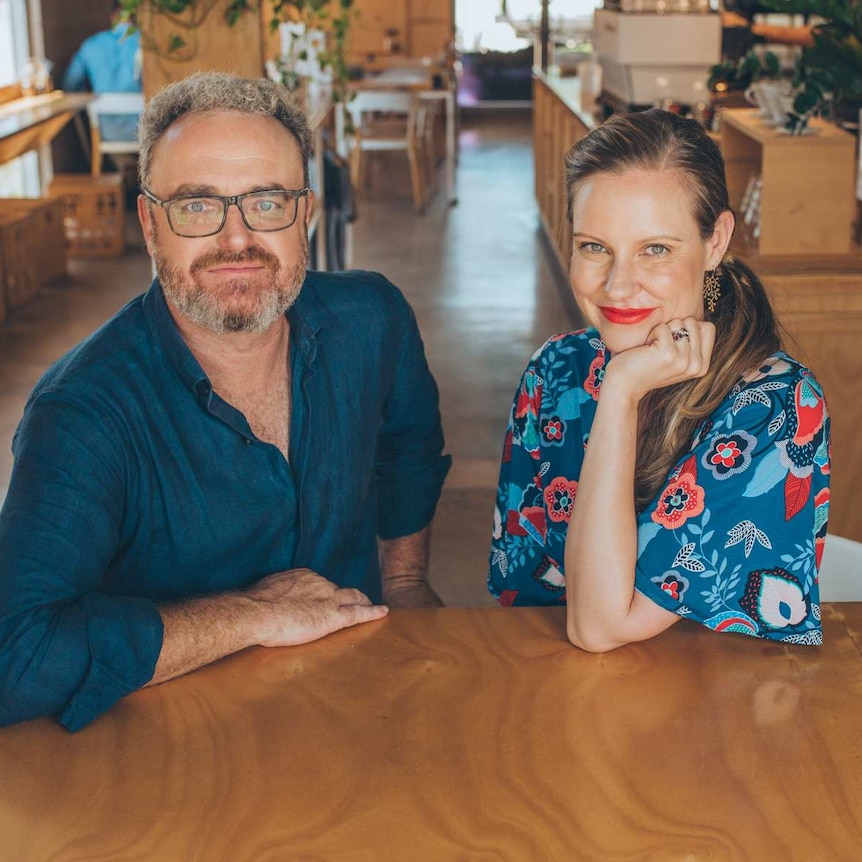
669	461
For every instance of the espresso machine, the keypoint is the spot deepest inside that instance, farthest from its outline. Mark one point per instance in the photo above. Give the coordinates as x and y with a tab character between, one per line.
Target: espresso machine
656	52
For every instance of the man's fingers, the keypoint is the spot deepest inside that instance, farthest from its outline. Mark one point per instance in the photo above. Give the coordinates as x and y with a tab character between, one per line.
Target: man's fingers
352	615
350	596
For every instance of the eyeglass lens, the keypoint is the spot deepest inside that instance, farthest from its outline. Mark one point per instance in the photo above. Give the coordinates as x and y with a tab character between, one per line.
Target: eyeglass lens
263	211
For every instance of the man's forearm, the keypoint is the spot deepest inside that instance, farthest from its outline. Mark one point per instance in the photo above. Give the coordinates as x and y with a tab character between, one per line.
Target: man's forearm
282	609
404	571
203	630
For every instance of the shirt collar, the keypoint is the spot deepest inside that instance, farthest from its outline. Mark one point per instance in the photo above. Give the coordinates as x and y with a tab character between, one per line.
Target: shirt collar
164	329
306	316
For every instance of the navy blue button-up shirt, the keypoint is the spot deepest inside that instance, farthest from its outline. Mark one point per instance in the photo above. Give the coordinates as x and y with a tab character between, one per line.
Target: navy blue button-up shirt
135	483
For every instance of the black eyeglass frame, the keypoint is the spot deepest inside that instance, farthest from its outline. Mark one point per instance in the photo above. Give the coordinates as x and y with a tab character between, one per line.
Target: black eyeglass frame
227	200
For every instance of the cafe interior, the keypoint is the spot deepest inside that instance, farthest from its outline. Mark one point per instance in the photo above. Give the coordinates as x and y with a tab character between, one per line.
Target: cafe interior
439	132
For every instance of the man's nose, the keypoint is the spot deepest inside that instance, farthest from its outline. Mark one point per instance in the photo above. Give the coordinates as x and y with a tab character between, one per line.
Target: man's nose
235	233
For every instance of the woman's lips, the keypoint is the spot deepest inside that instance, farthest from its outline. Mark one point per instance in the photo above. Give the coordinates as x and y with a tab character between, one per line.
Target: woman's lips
625	315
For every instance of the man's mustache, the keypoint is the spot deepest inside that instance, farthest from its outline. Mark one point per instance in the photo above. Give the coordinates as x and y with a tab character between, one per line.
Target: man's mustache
253	254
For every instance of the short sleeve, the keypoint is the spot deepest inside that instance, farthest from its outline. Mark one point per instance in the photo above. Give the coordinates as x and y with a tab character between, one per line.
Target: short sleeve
733	540
542	456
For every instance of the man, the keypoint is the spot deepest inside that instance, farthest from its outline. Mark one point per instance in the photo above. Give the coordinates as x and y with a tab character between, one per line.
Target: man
109	62
212	468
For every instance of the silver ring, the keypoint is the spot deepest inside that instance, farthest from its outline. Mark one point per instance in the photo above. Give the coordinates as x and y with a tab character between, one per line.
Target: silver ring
679	334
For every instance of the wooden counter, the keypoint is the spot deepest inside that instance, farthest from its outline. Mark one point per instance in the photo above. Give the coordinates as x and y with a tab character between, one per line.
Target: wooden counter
29	122
817	296
462	735
560	119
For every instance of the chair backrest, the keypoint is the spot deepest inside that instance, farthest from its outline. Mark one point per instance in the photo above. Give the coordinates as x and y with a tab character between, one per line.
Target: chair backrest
115	104
112	105
382	101
841	570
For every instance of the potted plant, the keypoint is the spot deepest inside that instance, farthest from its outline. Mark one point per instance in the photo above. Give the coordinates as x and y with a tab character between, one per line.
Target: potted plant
829	72
742	73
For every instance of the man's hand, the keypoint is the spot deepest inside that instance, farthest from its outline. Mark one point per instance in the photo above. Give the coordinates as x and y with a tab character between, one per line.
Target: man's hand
299	606
283	609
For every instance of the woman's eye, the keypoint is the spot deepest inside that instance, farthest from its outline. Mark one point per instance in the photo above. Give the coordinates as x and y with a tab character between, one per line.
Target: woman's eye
591	247
657	249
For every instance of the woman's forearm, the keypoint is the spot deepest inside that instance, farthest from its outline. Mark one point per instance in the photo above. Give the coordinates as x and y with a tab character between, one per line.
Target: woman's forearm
601	543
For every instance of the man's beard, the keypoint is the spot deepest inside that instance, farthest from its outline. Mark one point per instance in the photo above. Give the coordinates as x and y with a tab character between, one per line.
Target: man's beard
210	311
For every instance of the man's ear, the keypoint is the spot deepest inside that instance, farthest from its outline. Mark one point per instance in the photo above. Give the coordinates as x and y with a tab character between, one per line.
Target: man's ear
145	217
309	207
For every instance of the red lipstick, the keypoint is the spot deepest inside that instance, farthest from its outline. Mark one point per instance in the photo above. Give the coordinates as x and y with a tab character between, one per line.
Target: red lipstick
626	316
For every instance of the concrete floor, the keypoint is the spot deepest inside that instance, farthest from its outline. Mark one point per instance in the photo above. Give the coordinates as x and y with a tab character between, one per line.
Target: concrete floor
478	275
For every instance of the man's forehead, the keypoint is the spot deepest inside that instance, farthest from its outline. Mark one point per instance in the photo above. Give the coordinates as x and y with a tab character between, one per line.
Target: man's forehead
200	147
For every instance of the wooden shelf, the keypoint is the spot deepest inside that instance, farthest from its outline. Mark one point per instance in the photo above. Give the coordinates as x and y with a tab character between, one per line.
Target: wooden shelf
807	201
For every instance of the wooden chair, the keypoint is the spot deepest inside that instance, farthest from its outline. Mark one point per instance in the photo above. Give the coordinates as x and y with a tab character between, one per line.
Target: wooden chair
841	570
387	120
111	104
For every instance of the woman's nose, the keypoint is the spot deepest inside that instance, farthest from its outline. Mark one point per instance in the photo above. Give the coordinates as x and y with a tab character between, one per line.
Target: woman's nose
621	281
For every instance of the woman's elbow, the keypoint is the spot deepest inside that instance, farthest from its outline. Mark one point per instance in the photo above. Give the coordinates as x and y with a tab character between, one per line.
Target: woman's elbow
590	640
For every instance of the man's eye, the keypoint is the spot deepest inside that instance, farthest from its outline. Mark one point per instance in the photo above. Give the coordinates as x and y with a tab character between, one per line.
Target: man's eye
196	206
267	206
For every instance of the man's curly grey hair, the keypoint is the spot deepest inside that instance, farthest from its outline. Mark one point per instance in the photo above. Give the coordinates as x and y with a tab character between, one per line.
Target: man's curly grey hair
204	92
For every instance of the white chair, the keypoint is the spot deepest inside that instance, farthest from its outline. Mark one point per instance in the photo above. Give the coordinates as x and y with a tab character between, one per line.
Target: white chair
841	570
389	120
111	104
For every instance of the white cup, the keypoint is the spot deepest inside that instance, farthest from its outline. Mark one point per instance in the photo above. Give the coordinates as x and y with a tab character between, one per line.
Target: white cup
774	98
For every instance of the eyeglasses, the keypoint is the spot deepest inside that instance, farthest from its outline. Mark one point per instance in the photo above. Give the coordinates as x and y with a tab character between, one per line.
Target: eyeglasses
205	215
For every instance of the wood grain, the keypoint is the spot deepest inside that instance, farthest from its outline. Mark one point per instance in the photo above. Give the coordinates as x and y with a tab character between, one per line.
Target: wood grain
461	735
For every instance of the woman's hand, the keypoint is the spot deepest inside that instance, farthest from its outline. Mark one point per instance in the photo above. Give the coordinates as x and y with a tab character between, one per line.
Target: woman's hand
675	351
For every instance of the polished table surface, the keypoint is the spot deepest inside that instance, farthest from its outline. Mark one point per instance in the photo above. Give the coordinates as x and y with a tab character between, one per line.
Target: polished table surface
29	122
462	735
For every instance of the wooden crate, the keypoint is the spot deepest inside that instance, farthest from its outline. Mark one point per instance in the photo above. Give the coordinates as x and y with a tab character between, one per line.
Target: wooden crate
94	216
32	250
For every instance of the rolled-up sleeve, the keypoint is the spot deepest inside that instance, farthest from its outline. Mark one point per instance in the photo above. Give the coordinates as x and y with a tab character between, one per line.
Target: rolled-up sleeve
67	647
411	466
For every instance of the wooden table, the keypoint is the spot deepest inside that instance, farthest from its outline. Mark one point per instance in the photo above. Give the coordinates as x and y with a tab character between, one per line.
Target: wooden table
462	735
29	122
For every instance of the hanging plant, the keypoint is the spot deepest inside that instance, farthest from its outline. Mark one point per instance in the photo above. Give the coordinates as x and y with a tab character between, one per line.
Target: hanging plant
185	15
332	18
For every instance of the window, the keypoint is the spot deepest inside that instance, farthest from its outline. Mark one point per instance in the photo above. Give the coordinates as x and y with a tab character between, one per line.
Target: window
19	178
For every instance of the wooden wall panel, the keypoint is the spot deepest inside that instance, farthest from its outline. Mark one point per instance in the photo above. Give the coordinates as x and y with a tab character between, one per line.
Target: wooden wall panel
215	47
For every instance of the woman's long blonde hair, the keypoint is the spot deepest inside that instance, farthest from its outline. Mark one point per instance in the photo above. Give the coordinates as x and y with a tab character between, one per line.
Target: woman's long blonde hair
747	331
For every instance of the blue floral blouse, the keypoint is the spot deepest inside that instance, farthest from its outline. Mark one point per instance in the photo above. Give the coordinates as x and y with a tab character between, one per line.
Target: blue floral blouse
734	538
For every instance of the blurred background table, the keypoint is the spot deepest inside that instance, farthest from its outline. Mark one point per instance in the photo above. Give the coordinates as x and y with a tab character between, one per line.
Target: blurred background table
462	734
28	122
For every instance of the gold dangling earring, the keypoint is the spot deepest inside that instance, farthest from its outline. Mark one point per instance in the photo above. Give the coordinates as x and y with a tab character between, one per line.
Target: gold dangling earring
711	290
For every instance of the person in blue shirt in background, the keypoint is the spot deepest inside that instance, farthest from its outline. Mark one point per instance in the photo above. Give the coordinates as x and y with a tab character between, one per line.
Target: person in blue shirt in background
248	454
109	62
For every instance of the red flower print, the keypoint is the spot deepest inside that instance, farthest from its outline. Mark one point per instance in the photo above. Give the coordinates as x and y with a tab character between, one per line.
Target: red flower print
681	499
553	430
559	499
594	376
672	589
726	453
